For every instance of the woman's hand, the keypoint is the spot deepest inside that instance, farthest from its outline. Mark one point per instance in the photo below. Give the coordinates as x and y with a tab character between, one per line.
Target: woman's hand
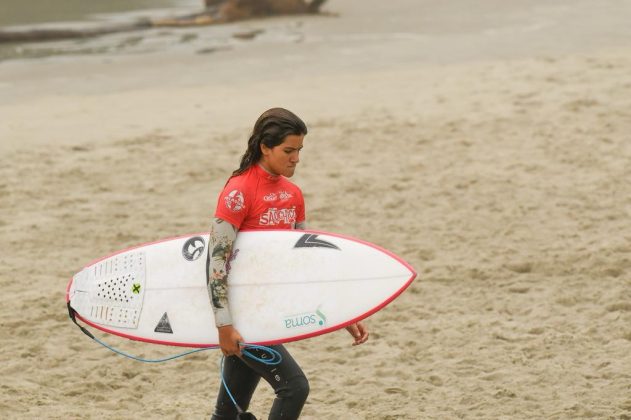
229	339
359	333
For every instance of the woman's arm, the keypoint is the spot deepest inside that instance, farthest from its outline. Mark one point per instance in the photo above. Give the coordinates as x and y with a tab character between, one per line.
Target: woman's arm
222	237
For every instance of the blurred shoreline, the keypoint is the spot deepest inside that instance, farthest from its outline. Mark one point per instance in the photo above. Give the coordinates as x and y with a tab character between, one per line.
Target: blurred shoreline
363	51
74	15
20	14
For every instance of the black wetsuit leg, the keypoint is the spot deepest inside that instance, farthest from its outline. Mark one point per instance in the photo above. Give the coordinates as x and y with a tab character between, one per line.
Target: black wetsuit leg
242	376
241	381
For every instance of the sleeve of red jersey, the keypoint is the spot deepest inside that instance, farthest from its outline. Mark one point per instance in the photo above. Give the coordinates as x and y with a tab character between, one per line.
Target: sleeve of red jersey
301	213
232	203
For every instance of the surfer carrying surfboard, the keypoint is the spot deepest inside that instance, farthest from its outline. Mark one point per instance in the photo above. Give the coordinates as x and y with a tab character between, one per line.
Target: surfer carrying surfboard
259	196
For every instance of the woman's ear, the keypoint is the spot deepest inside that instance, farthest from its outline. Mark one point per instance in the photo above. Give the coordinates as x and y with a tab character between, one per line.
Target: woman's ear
265	150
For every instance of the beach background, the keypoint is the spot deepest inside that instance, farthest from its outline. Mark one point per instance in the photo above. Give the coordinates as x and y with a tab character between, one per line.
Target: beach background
487	143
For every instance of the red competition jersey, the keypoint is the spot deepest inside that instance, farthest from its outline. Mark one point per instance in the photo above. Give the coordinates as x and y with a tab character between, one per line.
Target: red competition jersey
256	199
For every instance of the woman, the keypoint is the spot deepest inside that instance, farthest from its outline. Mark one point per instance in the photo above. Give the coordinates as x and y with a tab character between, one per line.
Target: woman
259	196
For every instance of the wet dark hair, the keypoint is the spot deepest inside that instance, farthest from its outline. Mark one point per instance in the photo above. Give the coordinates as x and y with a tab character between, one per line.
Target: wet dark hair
270	129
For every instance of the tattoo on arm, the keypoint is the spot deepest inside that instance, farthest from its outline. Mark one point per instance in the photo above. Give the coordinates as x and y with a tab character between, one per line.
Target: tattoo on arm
222	237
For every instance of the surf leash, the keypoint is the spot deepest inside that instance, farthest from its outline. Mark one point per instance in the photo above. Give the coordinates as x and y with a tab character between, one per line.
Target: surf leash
269	356
274	358
72	314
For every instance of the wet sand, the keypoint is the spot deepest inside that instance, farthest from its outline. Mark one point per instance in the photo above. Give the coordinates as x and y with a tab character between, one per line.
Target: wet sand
495	162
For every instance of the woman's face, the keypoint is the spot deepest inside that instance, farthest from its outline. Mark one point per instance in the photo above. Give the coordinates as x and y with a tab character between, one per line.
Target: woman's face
282	159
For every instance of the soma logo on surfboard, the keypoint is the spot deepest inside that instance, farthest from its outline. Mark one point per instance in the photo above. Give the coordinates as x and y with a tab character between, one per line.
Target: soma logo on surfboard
305	319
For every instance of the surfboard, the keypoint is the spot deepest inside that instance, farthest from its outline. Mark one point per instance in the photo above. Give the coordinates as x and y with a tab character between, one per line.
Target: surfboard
284	285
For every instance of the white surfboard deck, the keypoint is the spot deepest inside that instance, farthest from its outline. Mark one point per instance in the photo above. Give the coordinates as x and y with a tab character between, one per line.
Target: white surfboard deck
284	285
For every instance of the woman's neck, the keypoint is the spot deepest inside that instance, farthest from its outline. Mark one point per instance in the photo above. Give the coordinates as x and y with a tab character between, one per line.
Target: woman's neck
262	166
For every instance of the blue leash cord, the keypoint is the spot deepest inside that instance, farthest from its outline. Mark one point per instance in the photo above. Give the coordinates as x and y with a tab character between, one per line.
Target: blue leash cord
275	359
140	359
274	356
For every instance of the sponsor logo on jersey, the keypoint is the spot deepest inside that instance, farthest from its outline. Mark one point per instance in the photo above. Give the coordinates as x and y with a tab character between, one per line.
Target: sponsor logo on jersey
284	195
270	197
274	216
234	200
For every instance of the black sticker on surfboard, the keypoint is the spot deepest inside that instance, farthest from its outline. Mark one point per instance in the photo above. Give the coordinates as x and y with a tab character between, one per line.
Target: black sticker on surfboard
193	248
164	326
310	240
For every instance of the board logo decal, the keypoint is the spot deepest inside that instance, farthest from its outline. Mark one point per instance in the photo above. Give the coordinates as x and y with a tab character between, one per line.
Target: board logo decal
310	240
315	318
193	248
164	326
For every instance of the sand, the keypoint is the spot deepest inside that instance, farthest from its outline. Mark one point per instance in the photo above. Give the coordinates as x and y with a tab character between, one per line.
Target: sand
490	148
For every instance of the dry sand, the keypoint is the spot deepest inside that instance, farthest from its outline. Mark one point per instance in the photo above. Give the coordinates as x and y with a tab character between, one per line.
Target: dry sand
501	174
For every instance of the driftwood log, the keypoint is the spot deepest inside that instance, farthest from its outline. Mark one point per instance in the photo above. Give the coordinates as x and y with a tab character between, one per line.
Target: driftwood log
216	11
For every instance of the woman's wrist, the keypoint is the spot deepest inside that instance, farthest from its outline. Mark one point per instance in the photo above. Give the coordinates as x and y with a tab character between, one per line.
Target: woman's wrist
222	317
